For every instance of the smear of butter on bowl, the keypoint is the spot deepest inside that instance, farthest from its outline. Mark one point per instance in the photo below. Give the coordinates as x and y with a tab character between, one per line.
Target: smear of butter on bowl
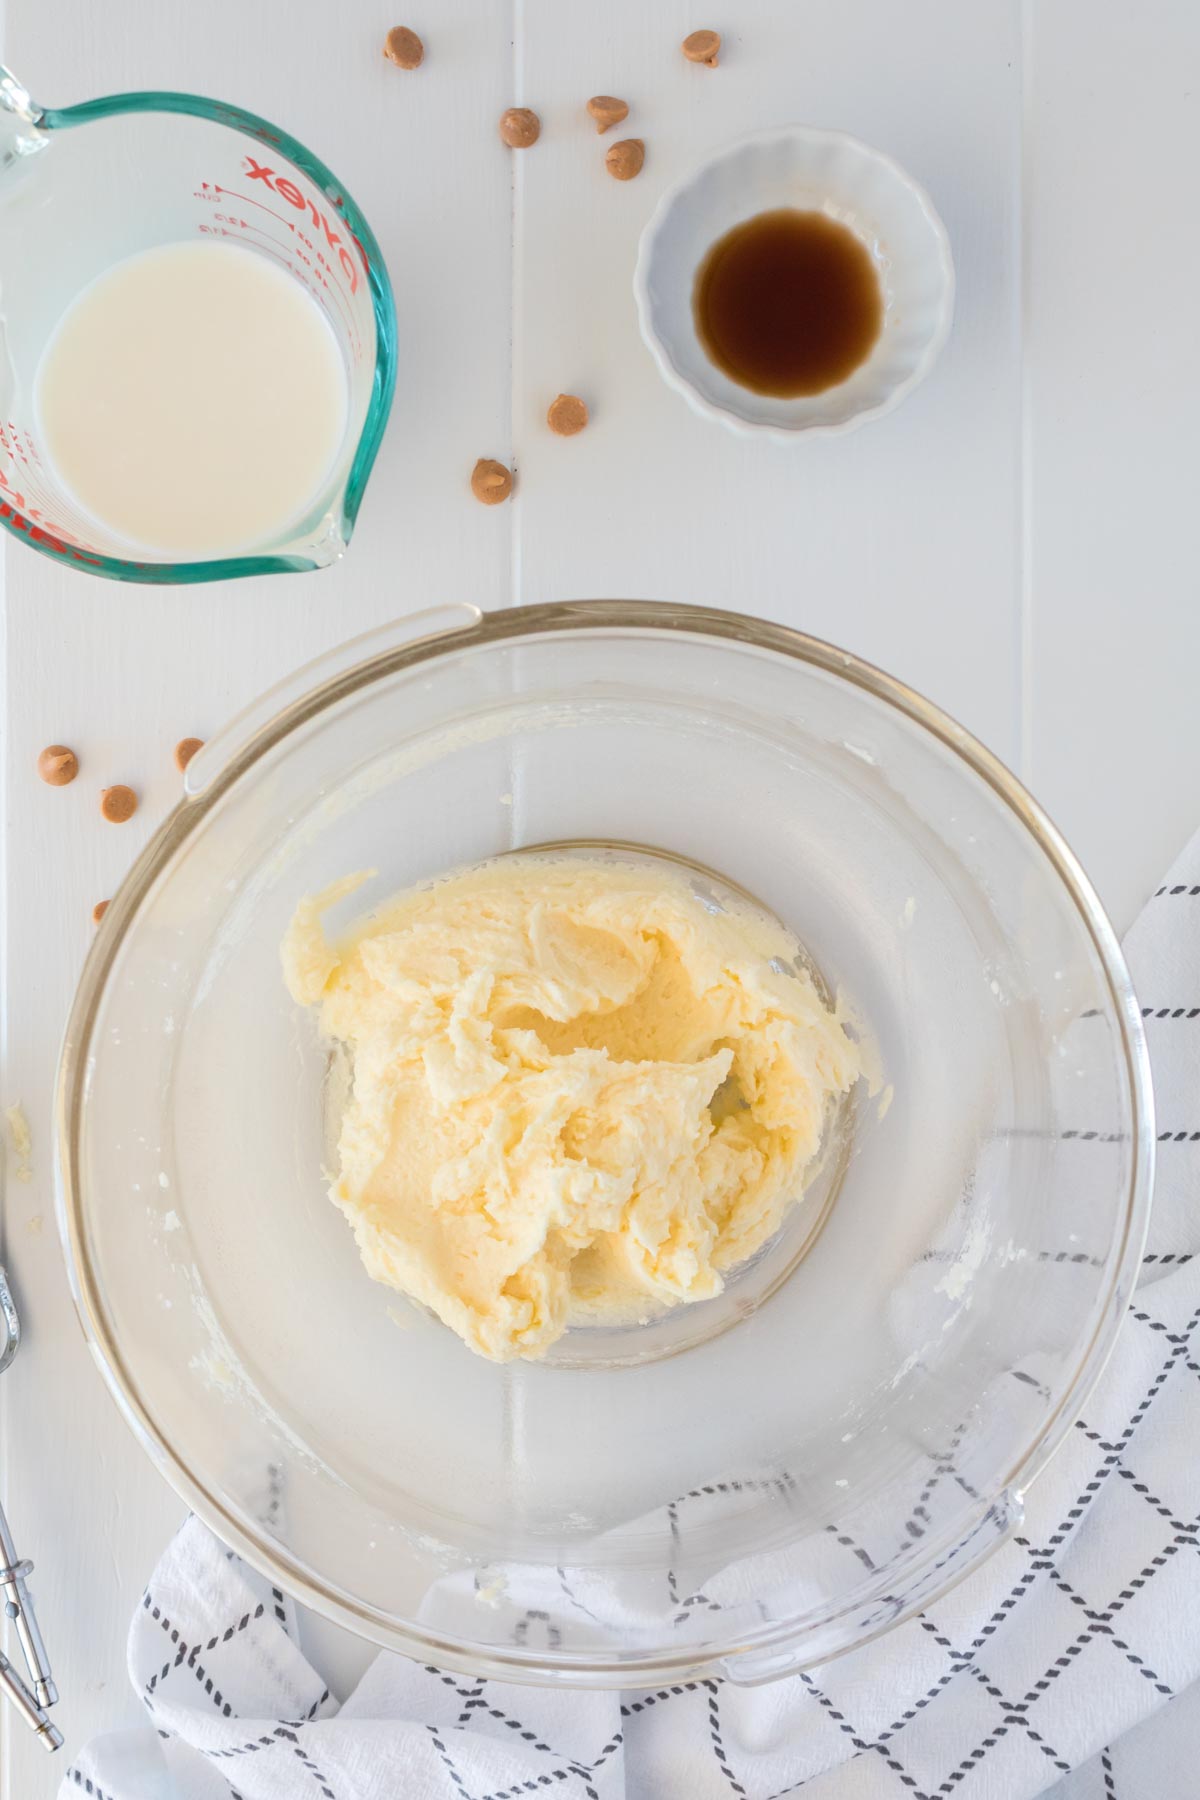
22	1140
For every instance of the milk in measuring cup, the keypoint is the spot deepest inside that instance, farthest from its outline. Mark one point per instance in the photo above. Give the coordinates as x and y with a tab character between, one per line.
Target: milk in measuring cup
193	400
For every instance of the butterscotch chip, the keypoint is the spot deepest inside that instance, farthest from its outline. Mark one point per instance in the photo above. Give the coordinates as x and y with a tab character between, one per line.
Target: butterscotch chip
491	482
185	749
57	765
607	110
625	159
519	127
98	911
403	47
118	803
702	47
566	415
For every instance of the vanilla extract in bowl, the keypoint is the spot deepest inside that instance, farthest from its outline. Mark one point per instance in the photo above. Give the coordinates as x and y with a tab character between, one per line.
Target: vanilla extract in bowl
788	303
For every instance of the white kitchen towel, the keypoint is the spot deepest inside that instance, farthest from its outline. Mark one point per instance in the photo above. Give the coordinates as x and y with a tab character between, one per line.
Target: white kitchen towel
1038	1674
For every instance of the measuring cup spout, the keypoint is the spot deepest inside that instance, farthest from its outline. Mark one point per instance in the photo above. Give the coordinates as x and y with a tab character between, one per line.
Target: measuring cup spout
20	121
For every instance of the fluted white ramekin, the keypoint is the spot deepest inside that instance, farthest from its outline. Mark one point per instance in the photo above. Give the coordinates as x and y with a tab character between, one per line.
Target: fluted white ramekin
812	170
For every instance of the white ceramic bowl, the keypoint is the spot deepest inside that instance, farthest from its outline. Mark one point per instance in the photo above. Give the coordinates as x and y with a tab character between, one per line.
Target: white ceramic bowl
824	171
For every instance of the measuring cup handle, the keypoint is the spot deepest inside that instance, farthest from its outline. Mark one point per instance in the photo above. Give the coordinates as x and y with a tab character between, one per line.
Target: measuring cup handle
20	119
221	750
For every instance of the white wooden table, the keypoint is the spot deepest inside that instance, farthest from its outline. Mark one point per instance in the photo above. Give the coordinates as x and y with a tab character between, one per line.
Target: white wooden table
1016	540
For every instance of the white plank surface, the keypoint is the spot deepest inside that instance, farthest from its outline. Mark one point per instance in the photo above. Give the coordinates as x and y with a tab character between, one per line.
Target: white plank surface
900	541
1113	375
1015	540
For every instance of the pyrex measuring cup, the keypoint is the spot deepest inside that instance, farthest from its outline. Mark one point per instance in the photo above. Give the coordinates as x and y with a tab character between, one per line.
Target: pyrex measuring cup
86	187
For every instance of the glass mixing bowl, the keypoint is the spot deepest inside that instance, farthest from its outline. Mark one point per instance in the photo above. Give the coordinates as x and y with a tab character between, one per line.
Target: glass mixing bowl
849	1432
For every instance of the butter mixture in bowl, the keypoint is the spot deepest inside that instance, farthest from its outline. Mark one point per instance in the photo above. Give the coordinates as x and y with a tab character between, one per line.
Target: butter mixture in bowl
578	1093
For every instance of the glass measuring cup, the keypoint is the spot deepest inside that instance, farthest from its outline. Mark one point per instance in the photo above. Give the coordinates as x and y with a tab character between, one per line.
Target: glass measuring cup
86	187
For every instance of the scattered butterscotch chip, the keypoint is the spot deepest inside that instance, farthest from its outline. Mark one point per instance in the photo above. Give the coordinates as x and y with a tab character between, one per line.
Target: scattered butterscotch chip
118	803
625	159
567	415
185	749
98	911
403	47
702	47
607	110
519	127
57	765
491	482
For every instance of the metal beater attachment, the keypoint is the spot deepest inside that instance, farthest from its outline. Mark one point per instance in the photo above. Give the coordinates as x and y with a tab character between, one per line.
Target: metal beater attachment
18	1607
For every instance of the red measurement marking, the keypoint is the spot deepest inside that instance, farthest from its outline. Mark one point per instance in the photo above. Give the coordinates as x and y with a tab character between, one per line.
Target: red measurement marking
47	504
251	201
288	257
333	287
19	498
248	225
50	535
280	184
41	501
269	249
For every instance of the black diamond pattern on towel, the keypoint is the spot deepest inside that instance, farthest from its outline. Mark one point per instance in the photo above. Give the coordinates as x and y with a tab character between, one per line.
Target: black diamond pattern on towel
989	1718
986	1702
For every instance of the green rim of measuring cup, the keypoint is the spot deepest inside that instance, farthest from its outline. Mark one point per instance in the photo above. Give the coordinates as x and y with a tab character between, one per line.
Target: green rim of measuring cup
228	568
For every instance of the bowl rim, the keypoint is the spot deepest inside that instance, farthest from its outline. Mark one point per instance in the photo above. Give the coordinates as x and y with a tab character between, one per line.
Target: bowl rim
728	416
939	1562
